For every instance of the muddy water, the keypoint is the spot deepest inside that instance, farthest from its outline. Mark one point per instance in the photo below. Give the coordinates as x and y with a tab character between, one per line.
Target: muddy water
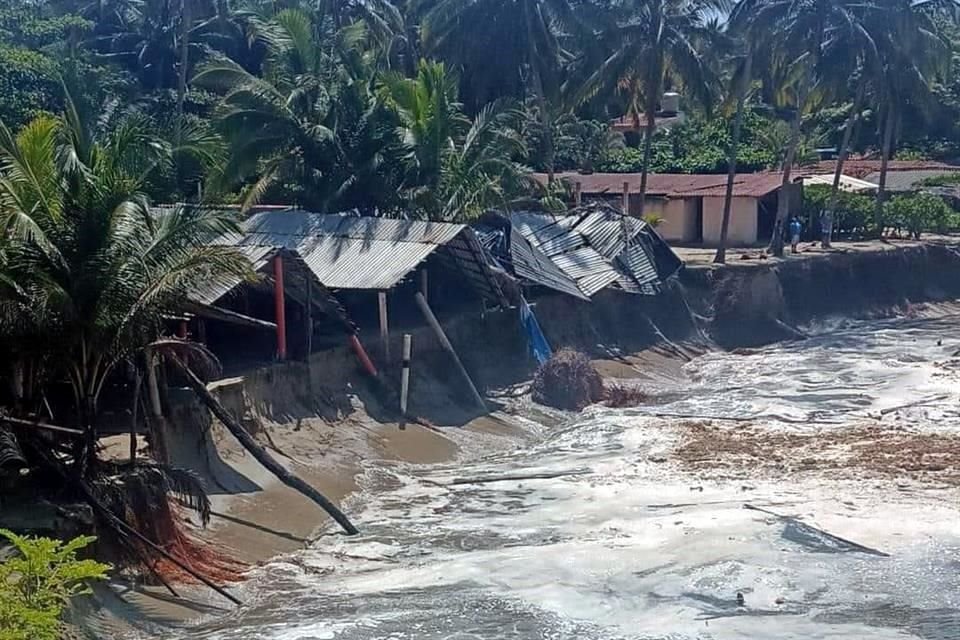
635	547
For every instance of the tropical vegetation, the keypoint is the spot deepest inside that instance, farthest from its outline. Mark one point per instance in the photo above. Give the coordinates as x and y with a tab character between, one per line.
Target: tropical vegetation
38	581
435	109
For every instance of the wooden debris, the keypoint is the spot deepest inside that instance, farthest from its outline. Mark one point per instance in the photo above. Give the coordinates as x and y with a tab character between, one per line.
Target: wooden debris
826	534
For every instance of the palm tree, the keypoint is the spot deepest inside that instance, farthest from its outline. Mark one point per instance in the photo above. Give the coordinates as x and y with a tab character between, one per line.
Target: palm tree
455	168
430	118
524	36
913	55
795	30
740	81
310	129
95	269
653	42
849	53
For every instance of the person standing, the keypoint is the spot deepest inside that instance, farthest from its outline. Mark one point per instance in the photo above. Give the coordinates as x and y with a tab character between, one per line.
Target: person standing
795	228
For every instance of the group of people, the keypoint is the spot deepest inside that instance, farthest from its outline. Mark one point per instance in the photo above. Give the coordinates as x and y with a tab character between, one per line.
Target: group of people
796	227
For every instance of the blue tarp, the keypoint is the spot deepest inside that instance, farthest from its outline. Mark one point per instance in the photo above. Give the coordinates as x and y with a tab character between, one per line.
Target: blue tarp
539	346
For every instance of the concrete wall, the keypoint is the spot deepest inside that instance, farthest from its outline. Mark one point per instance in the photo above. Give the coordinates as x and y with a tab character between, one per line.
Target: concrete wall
743	221
679	217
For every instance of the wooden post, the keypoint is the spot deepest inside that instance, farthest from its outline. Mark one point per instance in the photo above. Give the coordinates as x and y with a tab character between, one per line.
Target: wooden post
280	311
156	408
625	207
424	284
445	343
405	378
362	356
577	193
309	319
384	326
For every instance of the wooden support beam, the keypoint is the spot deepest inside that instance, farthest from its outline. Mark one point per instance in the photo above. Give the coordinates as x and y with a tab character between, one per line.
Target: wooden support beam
280	311
425	284
445	343
384	325
577	193
309	319
625	204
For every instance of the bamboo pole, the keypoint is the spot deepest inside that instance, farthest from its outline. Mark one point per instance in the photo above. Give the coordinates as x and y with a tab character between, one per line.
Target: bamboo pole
260	454
445	343
19	422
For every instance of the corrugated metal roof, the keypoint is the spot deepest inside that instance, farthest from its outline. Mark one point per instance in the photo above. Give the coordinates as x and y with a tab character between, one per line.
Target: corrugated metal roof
861	168
349	252
902	181
211	293
593	249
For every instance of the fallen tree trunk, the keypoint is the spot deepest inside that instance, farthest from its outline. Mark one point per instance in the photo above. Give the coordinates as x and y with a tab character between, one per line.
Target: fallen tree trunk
260	454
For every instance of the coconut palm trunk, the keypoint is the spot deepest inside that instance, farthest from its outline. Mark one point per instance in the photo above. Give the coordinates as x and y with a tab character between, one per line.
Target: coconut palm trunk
888	126
721	256
852	120
534	57
184	55
651	118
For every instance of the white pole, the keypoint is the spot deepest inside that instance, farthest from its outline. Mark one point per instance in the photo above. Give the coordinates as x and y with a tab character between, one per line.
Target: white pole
405	377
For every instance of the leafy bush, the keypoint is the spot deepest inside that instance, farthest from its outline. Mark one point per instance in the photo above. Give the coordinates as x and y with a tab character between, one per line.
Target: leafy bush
918	213
853	215
947	180
39	582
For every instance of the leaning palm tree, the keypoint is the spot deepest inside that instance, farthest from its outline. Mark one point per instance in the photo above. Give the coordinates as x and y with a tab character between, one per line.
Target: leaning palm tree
653	41
95	268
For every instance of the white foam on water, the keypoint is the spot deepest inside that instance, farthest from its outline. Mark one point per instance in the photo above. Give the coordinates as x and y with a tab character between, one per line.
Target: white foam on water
637	548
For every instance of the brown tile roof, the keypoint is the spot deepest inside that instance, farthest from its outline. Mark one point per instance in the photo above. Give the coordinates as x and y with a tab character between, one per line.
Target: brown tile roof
673	185
860	168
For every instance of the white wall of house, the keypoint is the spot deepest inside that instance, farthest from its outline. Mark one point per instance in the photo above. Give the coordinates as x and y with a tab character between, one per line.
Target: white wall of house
679	218
743	221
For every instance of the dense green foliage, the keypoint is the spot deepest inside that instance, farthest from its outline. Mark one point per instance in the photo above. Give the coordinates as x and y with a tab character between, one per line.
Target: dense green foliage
910	214
295	92
38	581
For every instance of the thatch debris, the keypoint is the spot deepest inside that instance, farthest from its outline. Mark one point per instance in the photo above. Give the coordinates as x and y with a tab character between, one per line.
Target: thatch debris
619	395
567	381
861	451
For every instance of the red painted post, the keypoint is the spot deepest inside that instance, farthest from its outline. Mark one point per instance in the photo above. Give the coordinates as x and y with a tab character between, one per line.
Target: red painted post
280	311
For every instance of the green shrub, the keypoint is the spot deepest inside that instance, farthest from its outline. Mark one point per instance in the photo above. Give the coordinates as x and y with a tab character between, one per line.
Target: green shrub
853	215
38	582
918	213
